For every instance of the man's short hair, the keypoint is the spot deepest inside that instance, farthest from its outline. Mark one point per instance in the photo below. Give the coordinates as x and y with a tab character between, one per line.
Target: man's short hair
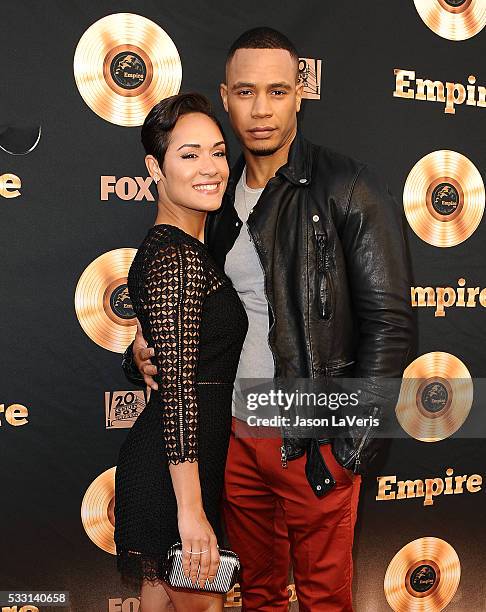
263	38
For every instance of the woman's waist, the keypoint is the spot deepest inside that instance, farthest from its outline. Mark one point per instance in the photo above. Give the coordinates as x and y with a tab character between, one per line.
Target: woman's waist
198	385
202	389
215	382
196	382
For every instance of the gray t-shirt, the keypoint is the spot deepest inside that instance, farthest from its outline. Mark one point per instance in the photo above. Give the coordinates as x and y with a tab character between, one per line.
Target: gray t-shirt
245	271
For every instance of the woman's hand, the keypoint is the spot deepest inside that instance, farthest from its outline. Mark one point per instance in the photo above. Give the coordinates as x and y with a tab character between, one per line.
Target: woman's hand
200	556
198	538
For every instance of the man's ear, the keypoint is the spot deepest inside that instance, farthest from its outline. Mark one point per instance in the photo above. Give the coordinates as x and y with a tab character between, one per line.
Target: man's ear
223	92
153	168
299	91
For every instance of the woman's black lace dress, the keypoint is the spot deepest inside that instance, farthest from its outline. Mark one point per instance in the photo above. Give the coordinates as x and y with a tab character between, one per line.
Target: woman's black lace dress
192	316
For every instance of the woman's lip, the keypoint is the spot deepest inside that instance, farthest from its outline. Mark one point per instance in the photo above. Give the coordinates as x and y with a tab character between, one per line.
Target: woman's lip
207	191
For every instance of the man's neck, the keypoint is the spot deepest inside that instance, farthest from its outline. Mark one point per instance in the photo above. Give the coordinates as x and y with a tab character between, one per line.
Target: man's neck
261	168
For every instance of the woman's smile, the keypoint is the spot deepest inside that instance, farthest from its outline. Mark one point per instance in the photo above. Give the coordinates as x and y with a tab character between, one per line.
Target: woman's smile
208	188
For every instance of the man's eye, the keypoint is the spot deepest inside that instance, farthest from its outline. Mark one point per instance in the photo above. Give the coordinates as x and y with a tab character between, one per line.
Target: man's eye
220	153
244	92
279	92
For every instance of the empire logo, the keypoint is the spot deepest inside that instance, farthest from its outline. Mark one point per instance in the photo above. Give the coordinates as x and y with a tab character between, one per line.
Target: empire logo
407	86
15	415
10	185
446	297
389	489
127	188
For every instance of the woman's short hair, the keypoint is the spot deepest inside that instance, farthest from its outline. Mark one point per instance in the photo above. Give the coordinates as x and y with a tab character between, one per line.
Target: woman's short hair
161	120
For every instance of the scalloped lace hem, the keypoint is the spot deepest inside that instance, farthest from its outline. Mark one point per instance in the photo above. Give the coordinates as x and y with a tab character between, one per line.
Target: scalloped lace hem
136	567
175	461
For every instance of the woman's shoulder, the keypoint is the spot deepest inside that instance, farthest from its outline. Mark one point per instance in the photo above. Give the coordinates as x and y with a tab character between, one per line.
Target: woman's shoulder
170	247
164	240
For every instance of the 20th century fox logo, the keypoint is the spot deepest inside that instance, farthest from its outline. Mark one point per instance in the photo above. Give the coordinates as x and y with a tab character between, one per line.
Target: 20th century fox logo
122	408
310	75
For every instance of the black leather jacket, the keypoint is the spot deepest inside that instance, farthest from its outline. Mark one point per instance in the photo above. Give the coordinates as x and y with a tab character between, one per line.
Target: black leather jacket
331	242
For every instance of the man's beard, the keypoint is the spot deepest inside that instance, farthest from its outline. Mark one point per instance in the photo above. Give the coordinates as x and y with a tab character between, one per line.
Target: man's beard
263	152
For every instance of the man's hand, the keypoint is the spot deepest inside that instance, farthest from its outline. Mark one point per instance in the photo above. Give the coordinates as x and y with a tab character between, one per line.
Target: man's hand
141	356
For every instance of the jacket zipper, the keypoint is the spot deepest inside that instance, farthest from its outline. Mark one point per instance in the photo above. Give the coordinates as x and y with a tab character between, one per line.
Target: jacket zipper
324	275
321	243
283	452
357	454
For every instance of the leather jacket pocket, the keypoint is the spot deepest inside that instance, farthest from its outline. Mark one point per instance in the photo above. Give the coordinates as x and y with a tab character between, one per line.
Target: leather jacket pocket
325	287
339	472
343	369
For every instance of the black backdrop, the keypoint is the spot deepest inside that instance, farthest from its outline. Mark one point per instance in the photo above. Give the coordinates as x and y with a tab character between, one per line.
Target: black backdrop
59	225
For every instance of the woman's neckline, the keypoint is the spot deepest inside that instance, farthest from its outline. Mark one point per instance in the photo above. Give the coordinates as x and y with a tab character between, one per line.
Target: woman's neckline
176	227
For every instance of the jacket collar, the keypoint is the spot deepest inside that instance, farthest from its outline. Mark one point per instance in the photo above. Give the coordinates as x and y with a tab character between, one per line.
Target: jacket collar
297	170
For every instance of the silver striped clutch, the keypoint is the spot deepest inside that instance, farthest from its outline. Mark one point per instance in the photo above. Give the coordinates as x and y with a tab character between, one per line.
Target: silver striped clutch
225	579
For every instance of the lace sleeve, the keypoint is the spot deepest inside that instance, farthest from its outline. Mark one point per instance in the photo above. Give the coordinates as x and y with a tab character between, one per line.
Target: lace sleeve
176	288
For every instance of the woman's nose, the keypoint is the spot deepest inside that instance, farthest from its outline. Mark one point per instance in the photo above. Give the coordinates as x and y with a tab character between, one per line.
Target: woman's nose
208	167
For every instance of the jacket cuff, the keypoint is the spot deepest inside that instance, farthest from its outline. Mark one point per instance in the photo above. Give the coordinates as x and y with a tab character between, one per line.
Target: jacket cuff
130	369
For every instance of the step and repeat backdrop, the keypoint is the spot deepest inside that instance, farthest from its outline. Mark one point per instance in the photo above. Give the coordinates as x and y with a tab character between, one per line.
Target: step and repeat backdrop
399	84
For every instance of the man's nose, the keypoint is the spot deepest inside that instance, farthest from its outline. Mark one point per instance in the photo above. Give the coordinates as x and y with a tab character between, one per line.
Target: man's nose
261	107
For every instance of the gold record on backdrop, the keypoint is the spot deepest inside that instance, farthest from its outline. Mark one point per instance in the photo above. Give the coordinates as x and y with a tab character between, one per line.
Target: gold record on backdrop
443	198
123	65
435	398
102	302
453	19
97	511
422	576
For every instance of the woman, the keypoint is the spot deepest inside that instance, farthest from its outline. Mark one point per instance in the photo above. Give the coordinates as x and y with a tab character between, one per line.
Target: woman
170	471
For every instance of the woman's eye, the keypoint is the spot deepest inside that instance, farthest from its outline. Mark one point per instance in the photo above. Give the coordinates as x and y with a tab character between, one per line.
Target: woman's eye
220	153
188	156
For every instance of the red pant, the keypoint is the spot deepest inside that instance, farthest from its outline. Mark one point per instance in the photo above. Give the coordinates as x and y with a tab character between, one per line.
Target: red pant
272	516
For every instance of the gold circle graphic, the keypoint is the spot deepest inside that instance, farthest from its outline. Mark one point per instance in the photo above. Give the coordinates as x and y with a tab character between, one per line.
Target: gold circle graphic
453	19
123	65
97	511
422	576
441	173
435	398
102	302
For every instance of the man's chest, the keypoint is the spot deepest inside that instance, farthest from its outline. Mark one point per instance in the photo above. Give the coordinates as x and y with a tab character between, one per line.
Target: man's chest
243	267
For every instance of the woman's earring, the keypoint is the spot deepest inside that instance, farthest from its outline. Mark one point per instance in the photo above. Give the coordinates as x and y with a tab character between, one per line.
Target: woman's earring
156	179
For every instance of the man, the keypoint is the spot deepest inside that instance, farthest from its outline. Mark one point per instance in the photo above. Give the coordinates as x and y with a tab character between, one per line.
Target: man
314	244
